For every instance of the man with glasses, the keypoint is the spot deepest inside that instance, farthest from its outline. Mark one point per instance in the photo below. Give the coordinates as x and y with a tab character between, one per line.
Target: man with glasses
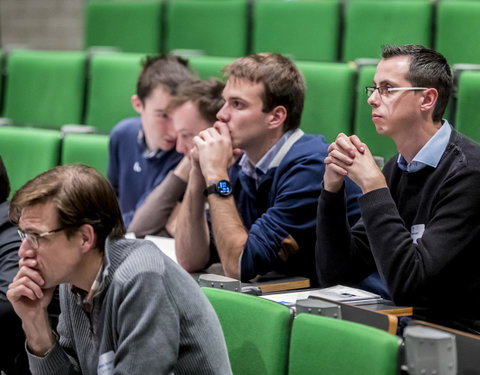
125	307
420	215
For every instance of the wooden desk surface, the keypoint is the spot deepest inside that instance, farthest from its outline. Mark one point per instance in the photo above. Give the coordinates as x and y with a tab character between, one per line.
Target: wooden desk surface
281	284
389	308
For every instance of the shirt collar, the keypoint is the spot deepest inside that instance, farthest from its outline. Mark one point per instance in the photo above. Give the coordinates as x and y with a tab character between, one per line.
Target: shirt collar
258	170
142	144
431	153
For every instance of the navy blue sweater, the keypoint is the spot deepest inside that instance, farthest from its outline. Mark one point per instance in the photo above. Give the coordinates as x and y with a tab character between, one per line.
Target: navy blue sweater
132	174
284	204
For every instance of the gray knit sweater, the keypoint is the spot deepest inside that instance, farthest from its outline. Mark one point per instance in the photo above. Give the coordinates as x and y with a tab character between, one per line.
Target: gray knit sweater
152	318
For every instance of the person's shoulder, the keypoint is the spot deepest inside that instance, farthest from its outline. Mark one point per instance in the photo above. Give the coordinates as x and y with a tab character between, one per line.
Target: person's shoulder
309	146
468	149
127	127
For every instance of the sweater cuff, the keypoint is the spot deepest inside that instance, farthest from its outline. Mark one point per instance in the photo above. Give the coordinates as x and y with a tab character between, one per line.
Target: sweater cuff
374	198
50	363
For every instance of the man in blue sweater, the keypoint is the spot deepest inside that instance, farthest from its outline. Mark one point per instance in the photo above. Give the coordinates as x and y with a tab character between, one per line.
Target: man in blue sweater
262	208
126	308
420	217
142	149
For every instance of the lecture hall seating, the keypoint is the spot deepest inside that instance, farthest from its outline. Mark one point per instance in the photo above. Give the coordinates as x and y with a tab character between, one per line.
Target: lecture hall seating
303	30
213	27
113	80
128	25
44	88
256	331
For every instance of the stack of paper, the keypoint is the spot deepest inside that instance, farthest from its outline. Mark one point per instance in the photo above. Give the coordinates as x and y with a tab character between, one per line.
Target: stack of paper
338	293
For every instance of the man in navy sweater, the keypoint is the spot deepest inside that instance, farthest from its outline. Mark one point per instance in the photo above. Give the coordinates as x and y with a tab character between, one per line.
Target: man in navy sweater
142	149
420	217
262	208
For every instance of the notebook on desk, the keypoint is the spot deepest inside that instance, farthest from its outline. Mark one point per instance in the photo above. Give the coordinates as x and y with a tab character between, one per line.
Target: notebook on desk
338	293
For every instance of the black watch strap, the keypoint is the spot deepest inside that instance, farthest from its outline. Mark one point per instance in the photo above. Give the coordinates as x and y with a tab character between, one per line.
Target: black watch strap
222	188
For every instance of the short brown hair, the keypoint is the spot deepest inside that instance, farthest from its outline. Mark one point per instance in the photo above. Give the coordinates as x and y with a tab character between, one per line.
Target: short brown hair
206	94
282	81
81	195
166	71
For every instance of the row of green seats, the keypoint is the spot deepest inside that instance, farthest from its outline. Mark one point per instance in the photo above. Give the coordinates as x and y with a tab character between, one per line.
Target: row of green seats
317	30
262	337
27	152
54	88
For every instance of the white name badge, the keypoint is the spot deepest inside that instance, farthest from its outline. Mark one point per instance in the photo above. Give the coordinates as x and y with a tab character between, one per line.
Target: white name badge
105	363
417	232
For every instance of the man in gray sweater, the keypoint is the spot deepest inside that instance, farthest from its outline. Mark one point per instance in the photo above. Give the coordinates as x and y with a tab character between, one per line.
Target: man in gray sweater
125	307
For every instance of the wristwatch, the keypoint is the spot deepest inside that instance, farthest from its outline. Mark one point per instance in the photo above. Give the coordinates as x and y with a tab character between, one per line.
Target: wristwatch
221	188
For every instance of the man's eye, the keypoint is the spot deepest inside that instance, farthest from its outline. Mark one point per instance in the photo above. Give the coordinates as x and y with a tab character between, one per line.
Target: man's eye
237	104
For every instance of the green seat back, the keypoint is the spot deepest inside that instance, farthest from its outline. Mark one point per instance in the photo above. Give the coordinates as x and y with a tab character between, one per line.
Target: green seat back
90	149
328	98
321	345
2	78
209	66
256	331
363	126
130	26
45	88
467	116
304	30
27	152
458	31
218	28
113	80
369	24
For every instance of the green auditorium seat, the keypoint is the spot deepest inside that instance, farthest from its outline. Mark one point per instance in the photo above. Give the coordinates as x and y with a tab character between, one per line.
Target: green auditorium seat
256	331
113	80
328	98
27	152
321	345
458	31
467	116
44	88
369	24
90	149
130	26
363	126
302	29
209	66
217	28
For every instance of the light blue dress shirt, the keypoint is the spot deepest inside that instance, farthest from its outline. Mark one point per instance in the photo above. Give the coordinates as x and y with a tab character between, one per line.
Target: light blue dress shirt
431	153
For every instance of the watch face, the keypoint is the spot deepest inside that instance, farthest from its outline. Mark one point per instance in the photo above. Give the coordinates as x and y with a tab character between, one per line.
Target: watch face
224	188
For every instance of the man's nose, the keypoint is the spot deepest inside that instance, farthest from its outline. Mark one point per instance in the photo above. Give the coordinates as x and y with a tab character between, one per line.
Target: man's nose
222	115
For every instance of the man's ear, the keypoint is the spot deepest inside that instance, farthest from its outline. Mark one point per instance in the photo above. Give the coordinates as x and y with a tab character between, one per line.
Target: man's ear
278	116
137	104
87	237
429	97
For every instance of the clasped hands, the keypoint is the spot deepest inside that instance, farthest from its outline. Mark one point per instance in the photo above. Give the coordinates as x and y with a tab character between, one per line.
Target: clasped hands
348	156
213	152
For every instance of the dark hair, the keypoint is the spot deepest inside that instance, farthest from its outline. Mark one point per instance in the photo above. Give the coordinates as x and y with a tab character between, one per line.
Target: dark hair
282	81
81	195
166	71
428	68
4	182
207	94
